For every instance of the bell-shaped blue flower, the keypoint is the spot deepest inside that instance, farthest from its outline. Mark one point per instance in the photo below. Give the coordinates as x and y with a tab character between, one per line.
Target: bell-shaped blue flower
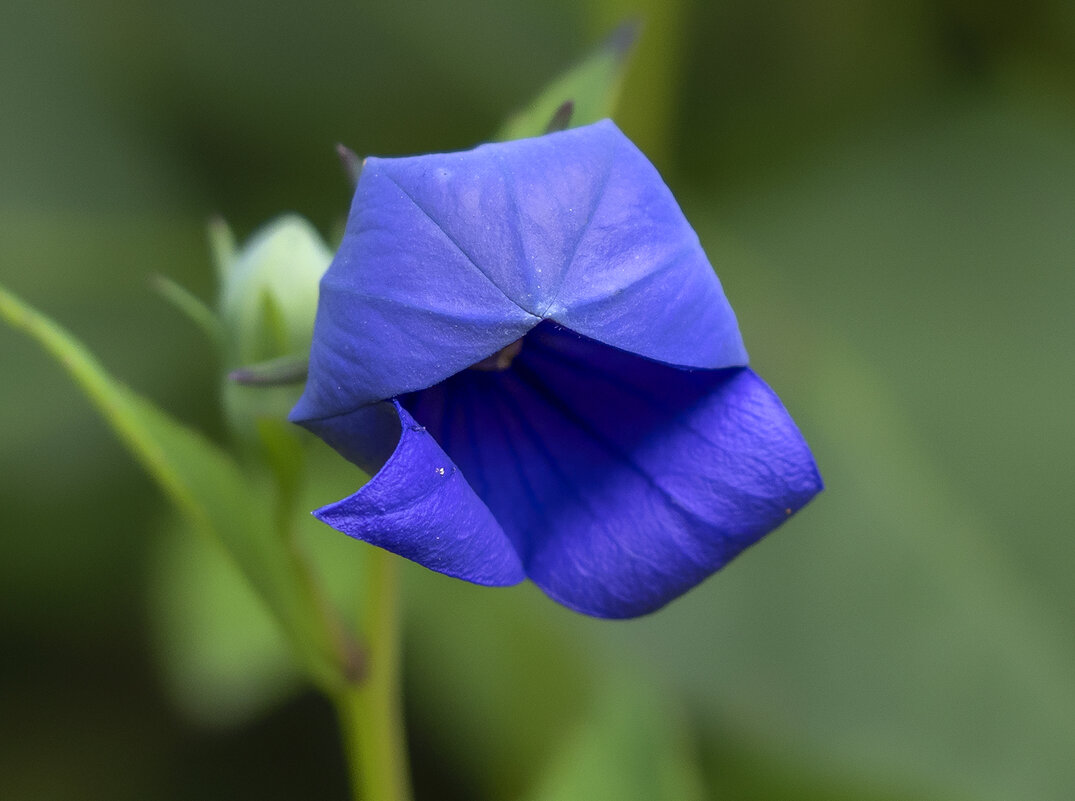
527	347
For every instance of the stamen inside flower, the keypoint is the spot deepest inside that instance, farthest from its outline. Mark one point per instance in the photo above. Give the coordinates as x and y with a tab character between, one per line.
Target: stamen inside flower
501	360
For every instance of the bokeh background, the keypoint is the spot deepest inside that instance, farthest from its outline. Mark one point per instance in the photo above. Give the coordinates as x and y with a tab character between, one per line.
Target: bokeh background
887	191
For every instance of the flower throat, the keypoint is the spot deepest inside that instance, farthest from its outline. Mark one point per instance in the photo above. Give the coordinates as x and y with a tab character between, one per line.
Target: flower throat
501	360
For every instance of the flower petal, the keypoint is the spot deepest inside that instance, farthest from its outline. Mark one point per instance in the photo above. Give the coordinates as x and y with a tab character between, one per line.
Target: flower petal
448	258
638	278
623	482
419	506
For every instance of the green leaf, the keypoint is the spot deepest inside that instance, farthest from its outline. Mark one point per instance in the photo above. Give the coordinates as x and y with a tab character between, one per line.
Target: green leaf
226	669
509	679
592	86
222	247
632	747
203	481
220	669
190	306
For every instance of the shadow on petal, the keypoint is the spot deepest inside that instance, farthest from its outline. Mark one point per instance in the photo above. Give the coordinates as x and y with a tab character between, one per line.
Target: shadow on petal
417	504
623	482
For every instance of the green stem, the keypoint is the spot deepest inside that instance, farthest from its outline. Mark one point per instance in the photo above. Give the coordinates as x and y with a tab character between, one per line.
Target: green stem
370	709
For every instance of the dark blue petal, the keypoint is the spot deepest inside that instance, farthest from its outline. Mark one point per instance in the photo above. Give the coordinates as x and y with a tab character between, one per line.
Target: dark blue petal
448	258
418	505
366	437
623	482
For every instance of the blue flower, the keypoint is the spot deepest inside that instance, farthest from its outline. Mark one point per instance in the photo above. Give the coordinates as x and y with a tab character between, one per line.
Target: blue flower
527	347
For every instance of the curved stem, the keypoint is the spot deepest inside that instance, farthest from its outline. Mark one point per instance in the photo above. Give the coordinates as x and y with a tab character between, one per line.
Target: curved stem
370	709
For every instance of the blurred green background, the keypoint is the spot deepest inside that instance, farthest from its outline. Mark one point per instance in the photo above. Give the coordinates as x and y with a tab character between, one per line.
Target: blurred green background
887	191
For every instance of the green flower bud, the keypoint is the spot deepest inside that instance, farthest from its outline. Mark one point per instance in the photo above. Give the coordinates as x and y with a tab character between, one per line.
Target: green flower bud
268	295
268	300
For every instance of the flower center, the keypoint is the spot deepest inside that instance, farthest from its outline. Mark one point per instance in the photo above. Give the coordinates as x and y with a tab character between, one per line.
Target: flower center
501	360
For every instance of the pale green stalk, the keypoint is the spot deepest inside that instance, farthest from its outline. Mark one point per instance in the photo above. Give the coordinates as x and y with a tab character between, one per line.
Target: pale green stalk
370	708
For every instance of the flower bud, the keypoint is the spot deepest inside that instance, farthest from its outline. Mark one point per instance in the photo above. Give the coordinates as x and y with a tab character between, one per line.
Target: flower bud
268	293
268	300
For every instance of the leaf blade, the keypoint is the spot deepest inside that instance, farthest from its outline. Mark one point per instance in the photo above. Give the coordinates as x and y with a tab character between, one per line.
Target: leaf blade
201	479
592	86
